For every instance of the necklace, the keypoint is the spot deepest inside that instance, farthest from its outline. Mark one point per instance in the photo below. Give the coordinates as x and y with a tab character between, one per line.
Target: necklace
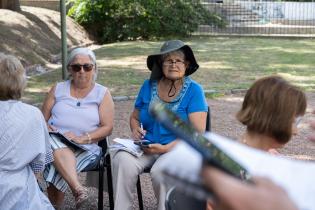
76	95
78	102
80	94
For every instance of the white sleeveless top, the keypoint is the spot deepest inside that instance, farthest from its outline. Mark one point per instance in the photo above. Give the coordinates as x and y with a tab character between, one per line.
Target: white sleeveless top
77	115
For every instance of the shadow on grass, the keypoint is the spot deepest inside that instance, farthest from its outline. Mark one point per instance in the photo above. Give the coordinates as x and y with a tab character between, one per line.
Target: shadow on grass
225	63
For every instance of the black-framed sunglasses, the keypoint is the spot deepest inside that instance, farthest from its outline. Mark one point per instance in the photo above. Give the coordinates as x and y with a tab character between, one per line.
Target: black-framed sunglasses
78	67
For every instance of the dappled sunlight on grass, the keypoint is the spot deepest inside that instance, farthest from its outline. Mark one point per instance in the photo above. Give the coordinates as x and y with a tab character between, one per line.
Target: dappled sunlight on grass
137	62
225	63
294	50
296	78
126	49
233	99
291	66
306	82
143	44
213	65
38	90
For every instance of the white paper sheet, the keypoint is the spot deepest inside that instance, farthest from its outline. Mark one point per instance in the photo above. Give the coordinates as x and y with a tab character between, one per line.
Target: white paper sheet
126	145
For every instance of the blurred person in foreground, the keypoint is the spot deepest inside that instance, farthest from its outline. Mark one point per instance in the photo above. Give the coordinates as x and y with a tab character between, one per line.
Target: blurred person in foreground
272	110
24	142
170	84
83	111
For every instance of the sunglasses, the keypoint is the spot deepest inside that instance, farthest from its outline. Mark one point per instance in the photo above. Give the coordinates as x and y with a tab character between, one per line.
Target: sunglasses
78	67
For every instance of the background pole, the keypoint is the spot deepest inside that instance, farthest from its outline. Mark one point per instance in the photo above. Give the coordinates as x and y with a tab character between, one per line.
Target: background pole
63	38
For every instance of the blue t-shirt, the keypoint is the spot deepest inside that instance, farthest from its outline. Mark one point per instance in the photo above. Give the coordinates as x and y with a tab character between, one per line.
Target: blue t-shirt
190	99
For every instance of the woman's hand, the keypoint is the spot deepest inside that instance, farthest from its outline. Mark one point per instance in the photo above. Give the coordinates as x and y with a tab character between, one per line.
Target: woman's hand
78	139
156	149
159	148
51	127
138	133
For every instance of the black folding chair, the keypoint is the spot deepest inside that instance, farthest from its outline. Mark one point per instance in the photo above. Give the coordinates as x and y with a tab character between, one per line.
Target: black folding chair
147	170
177	200
104	162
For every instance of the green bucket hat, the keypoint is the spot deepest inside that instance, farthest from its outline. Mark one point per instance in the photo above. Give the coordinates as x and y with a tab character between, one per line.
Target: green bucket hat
154	60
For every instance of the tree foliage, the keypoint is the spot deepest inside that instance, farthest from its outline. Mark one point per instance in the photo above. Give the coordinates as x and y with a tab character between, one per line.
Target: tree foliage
112	20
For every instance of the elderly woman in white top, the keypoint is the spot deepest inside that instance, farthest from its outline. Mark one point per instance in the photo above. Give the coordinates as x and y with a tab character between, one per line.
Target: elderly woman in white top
24	142
83	111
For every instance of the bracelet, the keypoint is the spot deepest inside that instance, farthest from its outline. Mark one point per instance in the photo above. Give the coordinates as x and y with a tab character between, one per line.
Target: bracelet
89	138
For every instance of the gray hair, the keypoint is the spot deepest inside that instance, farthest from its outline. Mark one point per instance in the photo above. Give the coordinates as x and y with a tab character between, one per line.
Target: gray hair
82	51
179	52
13	78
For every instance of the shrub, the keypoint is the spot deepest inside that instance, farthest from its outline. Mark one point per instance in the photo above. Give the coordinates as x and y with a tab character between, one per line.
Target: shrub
112	20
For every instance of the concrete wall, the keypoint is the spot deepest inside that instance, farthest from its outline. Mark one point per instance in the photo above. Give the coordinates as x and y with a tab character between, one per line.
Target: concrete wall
48	4
281	10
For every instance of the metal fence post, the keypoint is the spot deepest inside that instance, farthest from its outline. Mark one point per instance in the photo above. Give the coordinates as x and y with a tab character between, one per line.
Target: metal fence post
63	38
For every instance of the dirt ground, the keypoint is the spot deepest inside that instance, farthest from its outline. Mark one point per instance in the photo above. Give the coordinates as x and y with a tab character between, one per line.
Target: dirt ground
33	35
223	122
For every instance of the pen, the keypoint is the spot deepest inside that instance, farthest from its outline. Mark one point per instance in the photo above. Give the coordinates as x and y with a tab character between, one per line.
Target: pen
141	126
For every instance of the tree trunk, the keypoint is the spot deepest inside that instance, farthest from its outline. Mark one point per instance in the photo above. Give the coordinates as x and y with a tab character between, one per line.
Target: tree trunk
10	4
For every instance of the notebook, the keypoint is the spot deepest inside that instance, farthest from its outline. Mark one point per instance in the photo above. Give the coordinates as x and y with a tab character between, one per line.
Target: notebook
126	145
65	140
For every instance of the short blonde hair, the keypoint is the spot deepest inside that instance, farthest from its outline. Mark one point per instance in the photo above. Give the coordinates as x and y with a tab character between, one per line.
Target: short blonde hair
270	107
13	78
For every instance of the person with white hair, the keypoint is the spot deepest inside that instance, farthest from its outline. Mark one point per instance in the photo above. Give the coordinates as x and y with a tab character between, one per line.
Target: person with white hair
24	142
170	83
83	111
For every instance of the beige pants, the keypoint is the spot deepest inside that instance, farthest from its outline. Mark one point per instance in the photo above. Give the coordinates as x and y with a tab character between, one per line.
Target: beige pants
125	171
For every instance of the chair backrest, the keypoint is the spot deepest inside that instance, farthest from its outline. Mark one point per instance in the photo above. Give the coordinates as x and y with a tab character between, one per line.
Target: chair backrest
208	123
177	200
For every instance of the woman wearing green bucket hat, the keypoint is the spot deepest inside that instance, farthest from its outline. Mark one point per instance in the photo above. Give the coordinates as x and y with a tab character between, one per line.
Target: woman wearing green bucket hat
170	84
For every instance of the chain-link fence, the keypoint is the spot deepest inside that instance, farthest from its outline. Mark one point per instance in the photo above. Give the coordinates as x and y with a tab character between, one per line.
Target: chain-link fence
246	17
265	18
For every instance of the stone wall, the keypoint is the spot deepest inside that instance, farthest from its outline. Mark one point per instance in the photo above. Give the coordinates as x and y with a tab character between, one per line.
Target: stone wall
48	4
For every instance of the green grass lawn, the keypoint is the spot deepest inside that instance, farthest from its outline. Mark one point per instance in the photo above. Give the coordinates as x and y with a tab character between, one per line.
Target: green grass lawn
225	63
